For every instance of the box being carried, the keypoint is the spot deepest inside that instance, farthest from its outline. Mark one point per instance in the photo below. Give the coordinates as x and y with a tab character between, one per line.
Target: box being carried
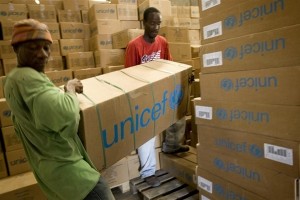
123	109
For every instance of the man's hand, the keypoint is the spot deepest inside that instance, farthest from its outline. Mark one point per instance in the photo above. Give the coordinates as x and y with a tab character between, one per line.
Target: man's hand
74	86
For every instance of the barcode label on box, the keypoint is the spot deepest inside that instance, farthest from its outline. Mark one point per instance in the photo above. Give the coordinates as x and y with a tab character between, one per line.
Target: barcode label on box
279	154
207	4
204	112
212	59
205	184
212	30
204	197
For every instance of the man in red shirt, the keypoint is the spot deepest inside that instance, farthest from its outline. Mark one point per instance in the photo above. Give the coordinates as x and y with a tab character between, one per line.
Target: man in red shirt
142	49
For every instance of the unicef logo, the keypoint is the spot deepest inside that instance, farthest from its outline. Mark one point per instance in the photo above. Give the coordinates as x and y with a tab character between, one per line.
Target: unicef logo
219	190
226	84
221	114
255	150
176	97
230	53
219	163
3	13
230	22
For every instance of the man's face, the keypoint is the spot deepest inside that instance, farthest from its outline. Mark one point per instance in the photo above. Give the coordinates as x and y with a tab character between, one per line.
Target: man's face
34	54
152	25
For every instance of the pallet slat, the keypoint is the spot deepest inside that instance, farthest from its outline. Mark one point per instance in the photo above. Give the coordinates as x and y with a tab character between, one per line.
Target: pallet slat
163	189
179	194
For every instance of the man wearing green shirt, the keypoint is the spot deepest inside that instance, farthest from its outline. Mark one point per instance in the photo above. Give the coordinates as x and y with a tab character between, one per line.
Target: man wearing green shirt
46	120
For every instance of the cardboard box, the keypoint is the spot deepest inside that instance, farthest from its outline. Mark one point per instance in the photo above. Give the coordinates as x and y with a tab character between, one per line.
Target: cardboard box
43	13
70	46
56	48
5	112
80	60
122	38
103	11
109	57
150	104
71	30
130	2
183	169
87	73
276	121
17	162
271	153
180	51
2	80
248	18
130	24
13	11
269	86
55	63
85	16
54	29
195	12
10	138
262	181
116	174
69	16
100	41
211	186
20	187
127	12
9	64
6	28
3	170
109	69
275	48
164	6
105	26
76	5
175	34
209	7
184	11
60	78
6	50
194	37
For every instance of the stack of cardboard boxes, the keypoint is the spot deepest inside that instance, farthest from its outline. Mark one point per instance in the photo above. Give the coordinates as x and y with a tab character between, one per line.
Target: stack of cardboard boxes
248	114
89	40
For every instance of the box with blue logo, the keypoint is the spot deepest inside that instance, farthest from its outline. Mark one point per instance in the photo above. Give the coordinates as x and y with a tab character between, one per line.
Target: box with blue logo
123	109
276	121
275	48
276	86
267	152
265	182
211	186
249	17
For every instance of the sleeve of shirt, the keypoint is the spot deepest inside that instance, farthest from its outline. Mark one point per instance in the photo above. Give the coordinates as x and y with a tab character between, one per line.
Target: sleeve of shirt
51	108
131	54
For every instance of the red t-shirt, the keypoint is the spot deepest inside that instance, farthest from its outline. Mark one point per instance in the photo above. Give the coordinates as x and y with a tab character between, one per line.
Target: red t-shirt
139	51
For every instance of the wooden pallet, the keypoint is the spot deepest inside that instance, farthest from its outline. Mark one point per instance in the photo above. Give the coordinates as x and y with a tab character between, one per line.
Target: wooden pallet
170	188
124	187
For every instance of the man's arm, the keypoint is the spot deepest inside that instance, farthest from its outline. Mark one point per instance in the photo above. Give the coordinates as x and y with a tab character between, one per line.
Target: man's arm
131	55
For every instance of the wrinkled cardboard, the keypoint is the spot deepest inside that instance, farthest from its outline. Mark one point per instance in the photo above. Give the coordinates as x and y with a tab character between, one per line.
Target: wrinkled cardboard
123	109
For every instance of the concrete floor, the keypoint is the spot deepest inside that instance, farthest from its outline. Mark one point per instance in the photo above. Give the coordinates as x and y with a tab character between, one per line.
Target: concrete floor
124	196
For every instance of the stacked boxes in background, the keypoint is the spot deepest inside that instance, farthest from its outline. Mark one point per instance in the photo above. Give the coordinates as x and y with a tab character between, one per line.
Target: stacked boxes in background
247	118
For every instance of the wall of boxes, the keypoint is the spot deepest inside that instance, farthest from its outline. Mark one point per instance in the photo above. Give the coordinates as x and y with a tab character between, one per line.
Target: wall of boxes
89	39
248	115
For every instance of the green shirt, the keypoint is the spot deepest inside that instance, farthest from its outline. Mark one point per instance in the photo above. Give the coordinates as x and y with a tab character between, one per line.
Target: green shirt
46	120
